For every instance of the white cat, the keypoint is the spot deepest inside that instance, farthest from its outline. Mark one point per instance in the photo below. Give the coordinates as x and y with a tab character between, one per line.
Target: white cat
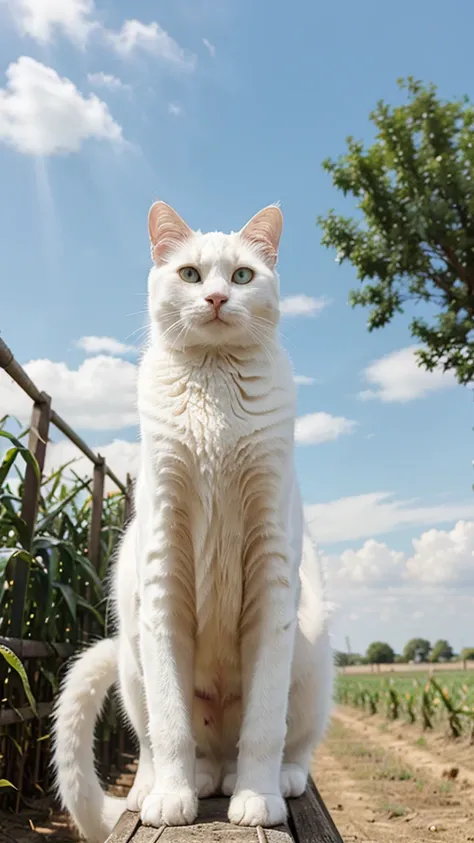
222	655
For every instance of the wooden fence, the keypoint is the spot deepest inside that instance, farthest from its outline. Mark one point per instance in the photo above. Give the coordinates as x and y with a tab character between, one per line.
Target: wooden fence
24	728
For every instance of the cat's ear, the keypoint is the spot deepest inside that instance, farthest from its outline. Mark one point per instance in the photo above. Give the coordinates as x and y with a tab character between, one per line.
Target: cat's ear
167	231
264	232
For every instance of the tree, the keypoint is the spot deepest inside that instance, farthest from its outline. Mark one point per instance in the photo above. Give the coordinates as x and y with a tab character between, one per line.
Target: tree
380	653
341	659
415	243
442	651
467	654
417	649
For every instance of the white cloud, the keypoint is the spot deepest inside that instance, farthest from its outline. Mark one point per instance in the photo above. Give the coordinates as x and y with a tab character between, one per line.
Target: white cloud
302	305
368	515
98	395
443	558
122	457
174	109
41	19
104	345
76	20
440	558
304	380
106	80
321	427
209	47
397	377
151	38
373	564
42	113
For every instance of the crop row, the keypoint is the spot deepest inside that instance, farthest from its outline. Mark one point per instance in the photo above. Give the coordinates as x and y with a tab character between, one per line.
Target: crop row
425	700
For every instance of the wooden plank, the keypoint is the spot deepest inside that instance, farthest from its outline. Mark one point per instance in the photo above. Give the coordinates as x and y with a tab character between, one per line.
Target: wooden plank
206	830
37	441
211	826
20	715
310	820
26	649
126	826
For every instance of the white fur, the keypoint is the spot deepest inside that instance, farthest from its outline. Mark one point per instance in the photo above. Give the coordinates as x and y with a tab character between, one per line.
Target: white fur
223	653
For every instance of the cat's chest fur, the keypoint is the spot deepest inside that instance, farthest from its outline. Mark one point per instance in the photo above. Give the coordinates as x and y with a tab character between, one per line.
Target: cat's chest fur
211	421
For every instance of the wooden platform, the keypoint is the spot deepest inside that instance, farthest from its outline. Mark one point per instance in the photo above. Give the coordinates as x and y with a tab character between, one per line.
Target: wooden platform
308	822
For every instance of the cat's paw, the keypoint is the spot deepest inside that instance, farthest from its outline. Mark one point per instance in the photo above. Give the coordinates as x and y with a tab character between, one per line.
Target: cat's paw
137	795
207	777
177	808
292	780
250	808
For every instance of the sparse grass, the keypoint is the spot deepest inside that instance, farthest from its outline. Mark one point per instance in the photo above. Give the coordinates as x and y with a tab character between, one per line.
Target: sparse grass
394	810
395	774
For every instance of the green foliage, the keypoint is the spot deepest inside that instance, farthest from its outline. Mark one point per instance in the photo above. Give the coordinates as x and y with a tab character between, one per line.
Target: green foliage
442	651
380	653
415	698
467	653
415	242
65	593
416	649
64	589
14	662
342	659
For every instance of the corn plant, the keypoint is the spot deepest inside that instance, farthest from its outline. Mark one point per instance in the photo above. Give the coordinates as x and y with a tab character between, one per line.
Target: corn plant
65	597
422	700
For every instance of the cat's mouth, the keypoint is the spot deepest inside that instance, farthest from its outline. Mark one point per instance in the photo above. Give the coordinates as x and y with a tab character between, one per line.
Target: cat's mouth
216	318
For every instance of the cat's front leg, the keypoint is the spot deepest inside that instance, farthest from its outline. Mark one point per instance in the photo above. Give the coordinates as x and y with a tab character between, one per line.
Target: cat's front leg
267	645
167	655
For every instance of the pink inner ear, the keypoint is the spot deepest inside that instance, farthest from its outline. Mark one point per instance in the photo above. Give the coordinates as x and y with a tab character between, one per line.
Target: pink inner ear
264	232
167	231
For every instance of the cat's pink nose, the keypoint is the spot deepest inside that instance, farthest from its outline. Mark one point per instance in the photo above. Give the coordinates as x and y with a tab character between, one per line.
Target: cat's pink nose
217	299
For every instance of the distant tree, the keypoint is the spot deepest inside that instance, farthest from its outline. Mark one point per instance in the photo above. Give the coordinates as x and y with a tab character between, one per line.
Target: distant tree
415	241
356	658
399	659
467	654
416	649
380	653
442	651
341	659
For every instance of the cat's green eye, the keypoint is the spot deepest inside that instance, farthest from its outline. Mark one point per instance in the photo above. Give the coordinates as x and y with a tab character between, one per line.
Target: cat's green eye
242	275
189	274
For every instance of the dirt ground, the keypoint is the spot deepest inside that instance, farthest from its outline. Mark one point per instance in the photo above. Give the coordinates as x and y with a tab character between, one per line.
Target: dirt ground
388	784
383	783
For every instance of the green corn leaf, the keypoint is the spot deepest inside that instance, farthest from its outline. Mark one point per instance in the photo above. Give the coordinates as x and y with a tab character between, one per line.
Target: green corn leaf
12	659
70	597
85	605
6	783
25	453
7	463
50	517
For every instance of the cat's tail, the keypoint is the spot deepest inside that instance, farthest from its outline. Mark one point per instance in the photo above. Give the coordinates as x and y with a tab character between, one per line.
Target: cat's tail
83	694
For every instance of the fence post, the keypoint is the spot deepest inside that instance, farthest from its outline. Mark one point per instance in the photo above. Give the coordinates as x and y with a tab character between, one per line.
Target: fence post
96	517
37	441
127	510
95	528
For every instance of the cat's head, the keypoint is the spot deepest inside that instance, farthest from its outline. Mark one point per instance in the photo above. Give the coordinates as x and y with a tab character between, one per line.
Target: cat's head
213	290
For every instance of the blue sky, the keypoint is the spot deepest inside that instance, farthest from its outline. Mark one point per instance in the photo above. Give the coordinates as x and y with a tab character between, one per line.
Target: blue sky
220	108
